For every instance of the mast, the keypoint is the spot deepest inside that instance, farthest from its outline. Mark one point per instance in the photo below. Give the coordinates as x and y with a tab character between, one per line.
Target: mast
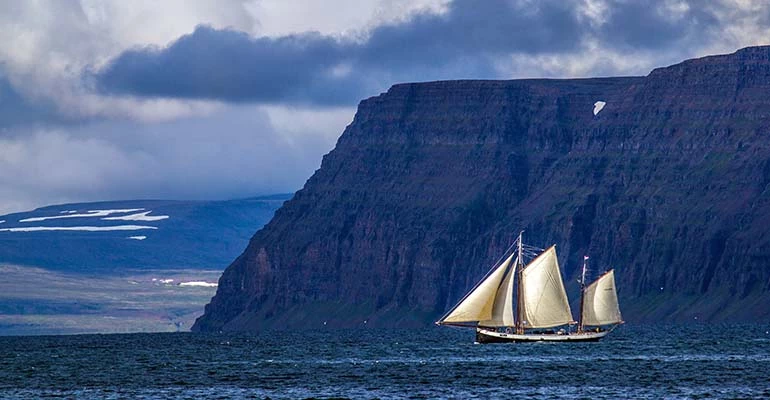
582	294
519	269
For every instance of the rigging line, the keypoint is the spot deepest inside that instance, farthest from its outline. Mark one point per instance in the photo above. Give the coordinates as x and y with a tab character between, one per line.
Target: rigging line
530	247
503	257
530	254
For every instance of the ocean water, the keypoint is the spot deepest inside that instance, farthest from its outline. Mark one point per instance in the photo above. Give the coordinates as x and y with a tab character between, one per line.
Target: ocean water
697	362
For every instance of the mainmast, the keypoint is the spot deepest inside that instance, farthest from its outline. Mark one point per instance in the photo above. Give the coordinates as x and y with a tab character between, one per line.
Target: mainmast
519	269
582	294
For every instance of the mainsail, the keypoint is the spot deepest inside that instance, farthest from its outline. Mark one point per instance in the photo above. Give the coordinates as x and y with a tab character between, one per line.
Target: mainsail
490	302
544	299
600	302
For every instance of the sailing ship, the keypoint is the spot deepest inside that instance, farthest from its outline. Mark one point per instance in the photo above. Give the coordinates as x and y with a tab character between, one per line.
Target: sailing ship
518	302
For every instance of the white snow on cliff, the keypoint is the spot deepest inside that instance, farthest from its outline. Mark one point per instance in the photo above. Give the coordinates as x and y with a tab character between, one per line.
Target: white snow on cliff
598	106
138	217
198	283
78	228
90	213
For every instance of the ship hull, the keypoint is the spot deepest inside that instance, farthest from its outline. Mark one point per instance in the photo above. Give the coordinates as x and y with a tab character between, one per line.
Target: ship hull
487	336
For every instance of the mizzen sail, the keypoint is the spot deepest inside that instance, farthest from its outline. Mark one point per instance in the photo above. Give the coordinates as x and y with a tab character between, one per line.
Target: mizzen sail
600	302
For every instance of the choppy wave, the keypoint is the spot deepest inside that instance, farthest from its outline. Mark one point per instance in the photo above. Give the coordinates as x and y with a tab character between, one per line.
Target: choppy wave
633	362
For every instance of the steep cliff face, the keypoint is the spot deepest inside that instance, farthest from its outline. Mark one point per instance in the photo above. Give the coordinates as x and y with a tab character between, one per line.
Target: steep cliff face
431	182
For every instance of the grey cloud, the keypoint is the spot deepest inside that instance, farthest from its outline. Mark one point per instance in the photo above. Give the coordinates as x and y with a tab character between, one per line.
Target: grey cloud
464	42
311	68
233	152
640	25
472	31
226	64
237	152
17	110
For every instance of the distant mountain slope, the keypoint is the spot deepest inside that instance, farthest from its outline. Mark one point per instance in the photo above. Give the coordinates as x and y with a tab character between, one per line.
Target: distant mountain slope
142	234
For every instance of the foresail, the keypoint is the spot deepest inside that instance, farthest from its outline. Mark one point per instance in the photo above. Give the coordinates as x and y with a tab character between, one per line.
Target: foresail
544	299
600	302
502	309
481	304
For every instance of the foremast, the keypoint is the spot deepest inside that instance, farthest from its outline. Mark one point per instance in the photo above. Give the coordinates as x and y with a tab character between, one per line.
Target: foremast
519	270
582	295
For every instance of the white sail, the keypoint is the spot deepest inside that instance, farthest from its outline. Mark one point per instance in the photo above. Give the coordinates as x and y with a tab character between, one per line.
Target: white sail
600	302
487	301
502	309
544	299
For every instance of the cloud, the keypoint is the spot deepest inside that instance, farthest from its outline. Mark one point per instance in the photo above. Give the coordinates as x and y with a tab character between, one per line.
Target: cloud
466	39
639	26
204	99
226	64
130	71
237	152
469	29
265	51
311	68
48	44
333	17
16	109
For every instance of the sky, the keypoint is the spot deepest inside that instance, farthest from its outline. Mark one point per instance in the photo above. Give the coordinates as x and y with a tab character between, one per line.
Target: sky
219	99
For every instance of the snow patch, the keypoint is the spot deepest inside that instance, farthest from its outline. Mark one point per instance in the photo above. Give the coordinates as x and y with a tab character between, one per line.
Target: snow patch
79	228
90	213
137	237
198	283
118	211
137	217
598	106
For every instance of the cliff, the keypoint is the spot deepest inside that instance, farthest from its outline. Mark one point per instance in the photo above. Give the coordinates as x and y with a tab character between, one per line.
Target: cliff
431	182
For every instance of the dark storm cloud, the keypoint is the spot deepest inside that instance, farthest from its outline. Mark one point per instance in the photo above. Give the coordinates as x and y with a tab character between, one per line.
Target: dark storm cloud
225	64
315	69
469	31
640	25
465	42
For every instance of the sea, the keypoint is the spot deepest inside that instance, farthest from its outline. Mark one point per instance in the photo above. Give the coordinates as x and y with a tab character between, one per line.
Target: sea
635	361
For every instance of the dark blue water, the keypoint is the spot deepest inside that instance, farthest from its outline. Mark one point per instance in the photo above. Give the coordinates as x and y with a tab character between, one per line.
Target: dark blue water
699	362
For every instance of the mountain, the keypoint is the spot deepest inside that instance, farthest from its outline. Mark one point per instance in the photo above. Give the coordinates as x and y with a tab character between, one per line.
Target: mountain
136	234
663	177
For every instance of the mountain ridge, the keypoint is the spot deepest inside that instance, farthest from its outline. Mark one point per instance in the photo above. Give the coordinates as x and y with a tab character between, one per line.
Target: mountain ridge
157	234
432	181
